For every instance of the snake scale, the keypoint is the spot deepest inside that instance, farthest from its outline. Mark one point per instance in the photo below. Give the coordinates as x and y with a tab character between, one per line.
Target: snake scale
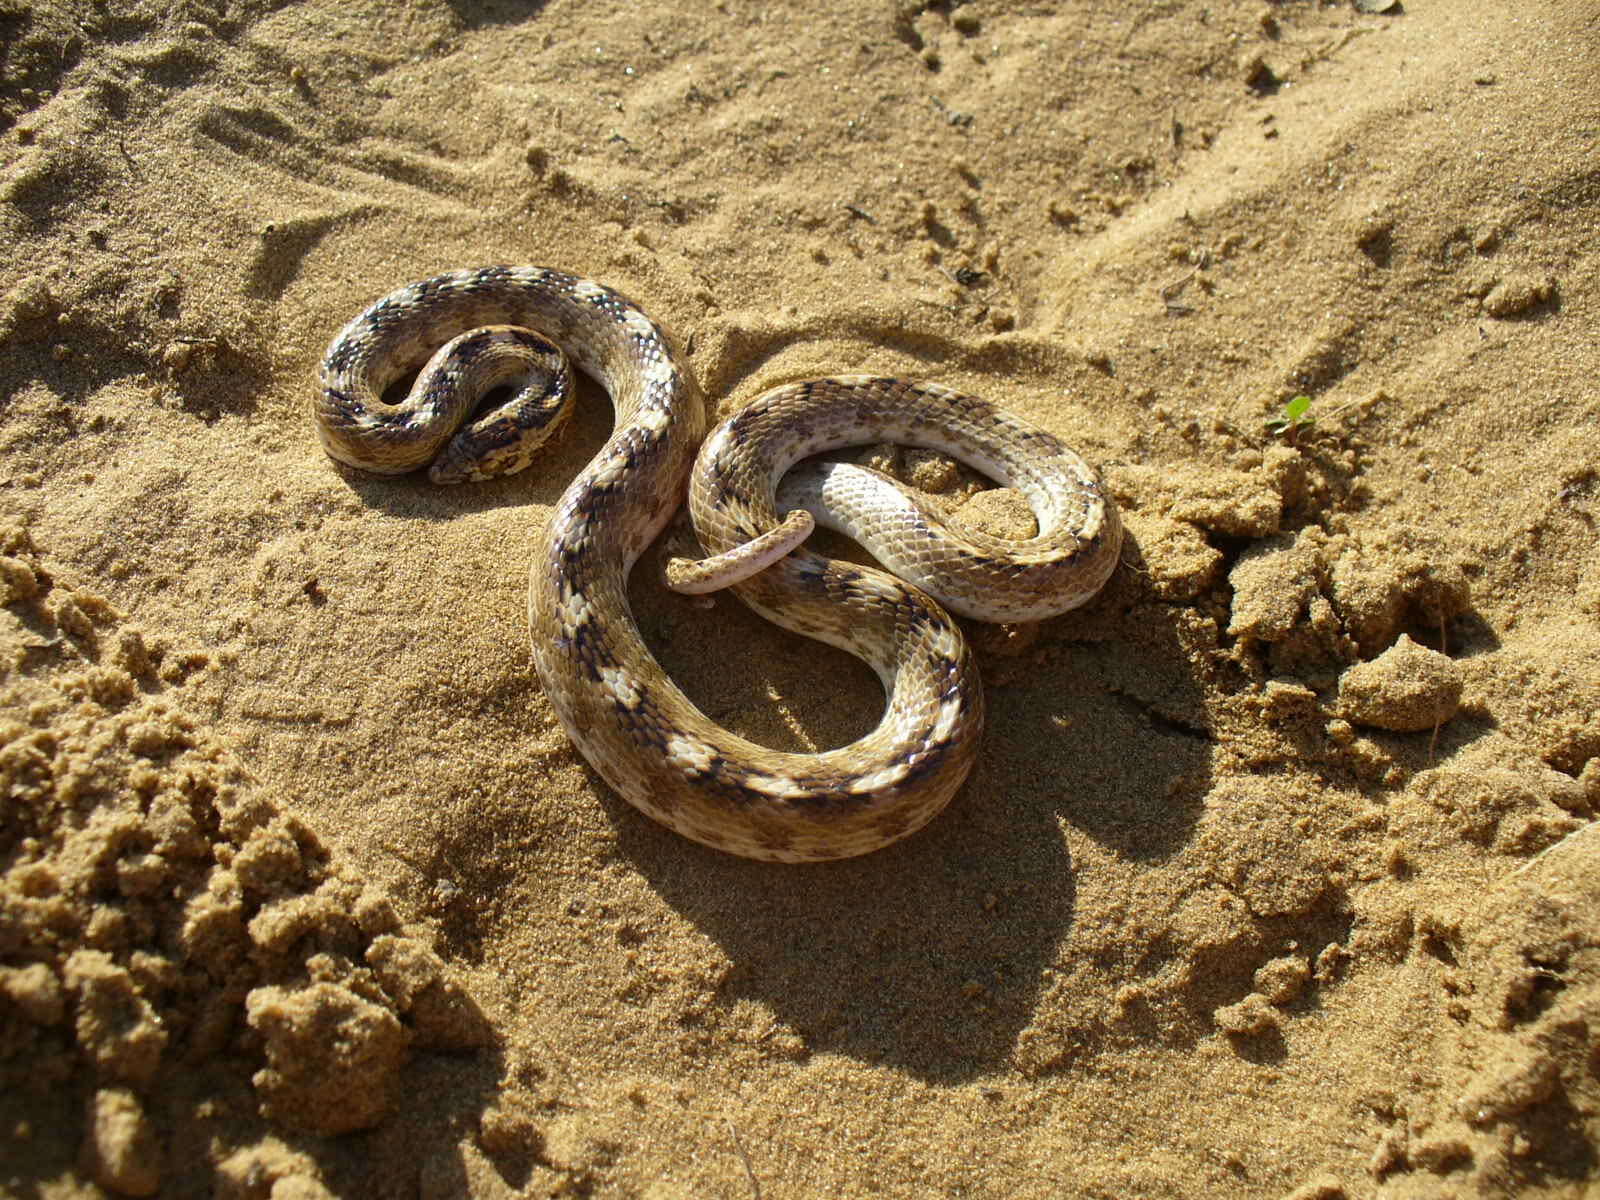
494	327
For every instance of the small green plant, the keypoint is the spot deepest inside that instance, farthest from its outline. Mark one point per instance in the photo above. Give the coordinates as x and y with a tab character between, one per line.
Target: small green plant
1296	416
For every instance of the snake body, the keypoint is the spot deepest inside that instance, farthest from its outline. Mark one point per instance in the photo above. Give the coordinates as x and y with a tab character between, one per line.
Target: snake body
627	718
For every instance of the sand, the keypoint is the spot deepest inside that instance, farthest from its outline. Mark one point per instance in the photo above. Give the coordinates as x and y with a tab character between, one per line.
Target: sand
1278	873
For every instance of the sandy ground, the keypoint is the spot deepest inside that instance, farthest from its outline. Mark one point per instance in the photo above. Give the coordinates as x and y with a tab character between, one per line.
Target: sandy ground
1278	875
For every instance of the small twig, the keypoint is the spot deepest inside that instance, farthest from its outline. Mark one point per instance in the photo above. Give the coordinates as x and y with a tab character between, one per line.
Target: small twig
1576	833
133	167
1444	648
409	861
1171	292
750	1172
1337	409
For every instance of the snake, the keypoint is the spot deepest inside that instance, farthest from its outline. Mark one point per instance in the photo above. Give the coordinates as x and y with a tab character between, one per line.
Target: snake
490	346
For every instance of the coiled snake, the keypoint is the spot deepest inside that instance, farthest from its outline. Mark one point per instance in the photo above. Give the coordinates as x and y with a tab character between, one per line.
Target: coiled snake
637	729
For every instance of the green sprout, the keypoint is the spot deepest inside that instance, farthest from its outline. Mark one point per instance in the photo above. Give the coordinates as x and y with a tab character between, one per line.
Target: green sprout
1296	416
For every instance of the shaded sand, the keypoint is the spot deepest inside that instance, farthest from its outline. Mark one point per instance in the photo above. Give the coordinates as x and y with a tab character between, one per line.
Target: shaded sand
1278	875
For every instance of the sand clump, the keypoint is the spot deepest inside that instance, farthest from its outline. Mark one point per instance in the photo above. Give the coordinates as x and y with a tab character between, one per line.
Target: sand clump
121	1151
333	1057
1406	688
1517	976
162	920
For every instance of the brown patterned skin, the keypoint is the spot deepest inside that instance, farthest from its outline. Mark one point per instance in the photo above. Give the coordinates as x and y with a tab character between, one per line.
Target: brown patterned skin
632	724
